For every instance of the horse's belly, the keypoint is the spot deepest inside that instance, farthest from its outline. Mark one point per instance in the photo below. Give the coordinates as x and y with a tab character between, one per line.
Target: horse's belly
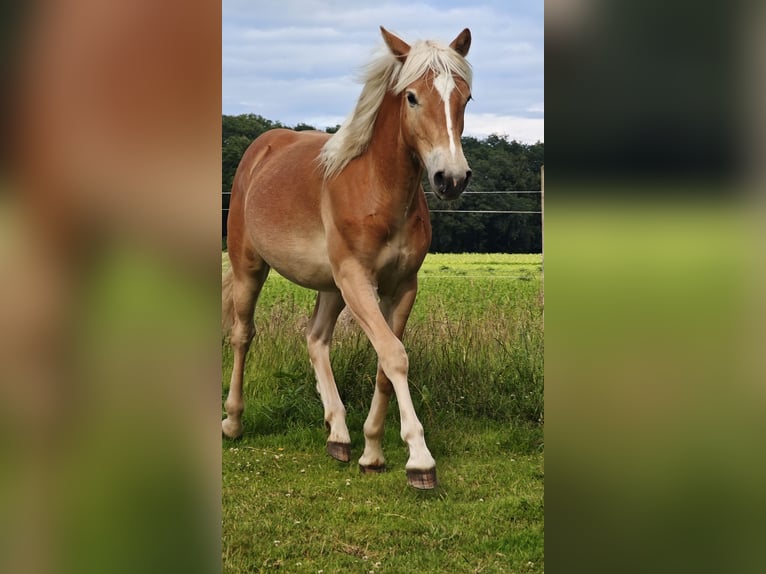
304	263
317	278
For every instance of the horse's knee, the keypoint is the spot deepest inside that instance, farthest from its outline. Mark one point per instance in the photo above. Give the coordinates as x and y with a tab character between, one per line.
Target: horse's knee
394	361
242	335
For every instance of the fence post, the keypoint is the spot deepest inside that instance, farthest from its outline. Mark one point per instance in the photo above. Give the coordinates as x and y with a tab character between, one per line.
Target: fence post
542	238
542	218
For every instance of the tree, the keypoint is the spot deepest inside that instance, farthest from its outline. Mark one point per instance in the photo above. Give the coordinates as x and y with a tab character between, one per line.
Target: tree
498	164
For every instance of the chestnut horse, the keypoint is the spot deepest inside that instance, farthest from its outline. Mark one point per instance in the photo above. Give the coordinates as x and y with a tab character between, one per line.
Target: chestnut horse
346	215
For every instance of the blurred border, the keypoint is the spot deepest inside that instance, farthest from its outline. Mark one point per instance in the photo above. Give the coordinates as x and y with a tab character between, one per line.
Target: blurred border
654	282
109	306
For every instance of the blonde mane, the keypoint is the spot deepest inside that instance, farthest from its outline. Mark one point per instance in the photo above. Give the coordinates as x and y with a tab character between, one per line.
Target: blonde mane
381	75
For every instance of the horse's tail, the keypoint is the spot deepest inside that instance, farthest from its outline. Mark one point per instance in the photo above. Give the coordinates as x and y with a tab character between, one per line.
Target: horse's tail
227	301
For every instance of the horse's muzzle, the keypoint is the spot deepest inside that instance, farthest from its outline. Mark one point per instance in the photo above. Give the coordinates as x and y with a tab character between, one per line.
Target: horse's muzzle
449	186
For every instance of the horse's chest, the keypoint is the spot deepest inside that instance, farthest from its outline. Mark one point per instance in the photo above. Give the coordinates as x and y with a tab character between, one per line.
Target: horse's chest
398	257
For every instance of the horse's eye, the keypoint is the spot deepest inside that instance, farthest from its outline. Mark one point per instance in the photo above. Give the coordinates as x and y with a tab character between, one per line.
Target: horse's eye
411	99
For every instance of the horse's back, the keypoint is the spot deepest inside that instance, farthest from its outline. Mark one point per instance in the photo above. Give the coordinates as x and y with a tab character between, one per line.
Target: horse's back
277	147
278	182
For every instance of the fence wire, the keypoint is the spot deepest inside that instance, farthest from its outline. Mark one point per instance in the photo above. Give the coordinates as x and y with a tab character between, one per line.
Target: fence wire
487	211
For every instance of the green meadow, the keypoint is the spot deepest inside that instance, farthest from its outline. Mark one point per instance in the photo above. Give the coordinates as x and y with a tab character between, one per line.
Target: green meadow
475	342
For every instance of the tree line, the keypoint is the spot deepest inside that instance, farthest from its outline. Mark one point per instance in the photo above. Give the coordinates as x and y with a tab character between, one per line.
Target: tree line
497	165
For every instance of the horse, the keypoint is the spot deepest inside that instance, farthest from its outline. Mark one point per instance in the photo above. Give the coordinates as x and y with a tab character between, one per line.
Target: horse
346	215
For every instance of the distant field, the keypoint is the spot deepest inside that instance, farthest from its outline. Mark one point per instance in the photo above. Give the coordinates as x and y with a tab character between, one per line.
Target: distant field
475	341
483	264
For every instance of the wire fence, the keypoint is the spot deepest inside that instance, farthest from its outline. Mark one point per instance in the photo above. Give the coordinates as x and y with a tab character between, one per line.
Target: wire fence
483	211
479	211
486	192
464	193
435	210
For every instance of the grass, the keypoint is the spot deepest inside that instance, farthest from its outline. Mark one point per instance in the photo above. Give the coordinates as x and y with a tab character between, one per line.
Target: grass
475	344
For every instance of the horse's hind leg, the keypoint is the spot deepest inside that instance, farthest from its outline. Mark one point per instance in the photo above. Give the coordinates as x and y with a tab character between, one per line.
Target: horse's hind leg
318	336
245	288
372	459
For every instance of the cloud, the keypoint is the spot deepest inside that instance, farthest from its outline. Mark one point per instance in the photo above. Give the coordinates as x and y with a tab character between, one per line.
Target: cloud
296	60
525	130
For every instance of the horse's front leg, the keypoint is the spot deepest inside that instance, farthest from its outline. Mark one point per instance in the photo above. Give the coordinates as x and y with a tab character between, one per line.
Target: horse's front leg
360	296
396	311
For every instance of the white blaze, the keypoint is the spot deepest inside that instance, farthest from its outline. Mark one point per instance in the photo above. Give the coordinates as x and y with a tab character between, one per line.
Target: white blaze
444	84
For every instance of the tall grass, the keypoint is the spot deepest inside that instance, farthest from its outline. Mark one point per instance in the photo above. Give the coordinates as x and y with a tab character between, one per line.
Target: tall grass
475	344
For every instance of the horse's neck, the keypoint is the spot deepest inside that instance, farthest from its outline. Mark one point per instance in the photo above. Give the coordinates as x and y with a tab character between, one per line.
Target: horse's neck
396	168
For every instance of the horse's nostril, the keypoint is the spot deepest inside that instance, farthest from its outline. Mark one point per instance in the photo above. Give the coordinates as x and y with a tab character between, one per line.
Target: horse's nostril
467	176
439	179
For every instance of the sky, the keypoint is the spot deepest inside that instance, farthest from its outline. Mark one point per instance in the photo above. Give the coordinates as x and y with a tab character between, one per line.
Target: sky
299	61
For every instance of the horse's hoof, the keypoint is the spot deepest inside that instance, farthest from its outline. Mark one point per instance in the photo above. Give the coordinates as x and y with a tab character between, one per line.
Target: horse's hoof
422	479
339	450
372	468
231	429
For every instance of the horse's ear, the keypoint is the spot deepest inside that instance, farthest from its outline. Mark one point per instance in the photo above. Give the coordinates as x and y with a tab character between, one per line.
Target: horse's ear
398	47
462	42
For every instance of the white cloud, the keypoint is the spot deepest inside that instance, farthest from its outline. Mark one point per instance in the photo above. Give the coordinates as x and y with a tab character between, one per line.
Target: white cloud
525	130
323	122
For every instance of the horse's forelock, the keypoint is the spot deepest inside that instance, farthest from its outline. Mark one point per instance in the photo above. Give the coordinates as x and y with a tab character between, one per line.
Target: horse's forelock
432	56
